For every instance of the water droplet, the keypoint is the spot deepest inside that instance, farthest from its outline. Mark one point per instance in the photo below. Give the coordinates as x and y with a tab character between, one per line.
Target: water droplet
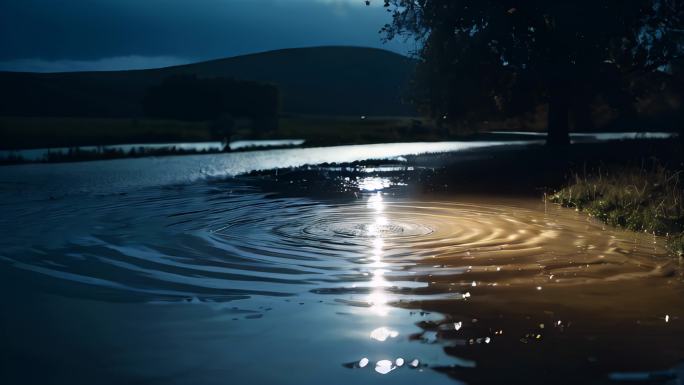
382	333
363	362
384	366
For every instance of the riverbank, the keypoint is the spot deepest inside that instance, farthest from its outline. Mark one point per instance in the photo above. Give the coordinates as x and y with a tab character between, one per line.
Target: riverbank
634	185
337	133
86	139
647	199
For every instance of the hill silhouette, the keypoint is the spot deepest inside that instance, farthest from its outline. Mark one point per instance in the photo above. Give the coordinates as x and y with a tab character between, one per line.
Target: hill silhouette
337	81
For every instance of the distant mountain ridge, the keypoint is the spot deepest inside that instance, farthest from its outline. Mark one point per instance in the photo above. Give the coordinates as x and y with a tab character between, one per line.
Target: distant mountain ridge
340	81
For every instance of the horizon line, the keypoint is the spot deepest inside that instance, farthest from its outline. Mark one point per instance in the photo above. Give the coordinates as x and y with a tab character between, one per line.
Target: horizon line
181	62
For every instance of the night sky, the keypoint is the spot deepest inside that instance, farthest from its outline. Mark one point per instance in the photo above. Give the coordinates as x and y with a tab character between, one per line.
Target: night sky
63	35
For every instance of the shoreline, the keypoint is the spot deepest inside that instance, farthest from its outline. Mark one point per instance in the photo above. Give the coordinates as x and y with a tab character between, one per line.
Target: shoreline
124	151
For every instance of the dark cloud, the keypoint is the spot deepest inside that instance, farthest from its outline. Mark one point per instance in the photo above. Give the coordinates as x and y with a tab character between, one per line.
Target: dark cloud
92	30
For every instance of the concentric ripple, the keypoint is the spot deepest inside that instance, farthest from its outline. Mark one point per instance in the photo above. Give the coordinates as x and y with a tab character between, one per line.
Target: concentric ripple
221	242
369	230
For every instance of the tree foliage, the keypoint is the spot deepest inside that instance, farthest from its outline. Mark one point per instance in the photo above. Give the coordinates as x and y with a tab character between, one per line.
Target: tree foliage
484	57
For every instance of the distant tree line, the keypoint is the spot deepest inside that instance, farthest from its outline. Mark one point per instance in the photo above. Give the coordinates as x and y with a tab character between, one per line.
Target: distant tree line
139	94
221	101
189	98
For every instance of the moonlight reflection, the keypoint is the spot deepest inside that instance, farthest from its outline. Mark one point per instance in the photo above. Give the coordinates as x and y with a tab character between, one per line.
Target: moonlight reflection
378	297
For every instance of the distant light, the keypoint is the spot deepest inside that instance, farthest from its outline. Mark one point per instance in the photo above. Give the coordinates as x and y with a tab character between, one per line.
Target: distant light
667	318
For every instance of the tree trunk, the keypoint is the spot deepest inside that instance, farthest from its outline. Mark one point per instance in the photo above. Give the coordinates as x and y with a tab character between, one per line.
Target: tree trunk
559	114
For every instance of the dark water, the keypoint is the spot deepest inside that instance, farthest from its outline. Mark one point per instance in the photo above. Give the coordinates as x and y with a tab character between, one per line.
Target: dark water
279	278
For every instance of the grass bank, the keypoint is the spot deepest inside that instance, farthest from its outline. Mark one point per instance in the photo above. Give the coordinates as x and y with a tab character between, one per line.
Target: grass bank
648	199
25	133
49	132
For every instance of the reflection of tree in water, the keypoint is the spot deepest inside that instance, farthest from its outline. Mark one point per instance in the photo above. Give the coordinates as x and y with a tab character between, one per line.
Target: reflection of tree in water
521	341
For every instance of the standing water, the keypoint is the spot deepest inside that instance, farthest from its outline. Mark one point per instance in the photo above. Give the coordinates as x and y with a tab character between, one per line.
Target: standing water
176	272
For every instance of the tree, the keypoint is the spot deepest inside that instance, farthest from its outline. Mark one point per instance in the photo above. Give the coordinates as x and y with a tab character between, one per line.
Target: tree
485	57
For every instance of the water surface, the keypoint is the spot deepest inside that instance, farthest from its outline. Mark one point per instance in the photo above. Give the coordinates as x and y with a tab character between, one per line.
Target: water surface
180	272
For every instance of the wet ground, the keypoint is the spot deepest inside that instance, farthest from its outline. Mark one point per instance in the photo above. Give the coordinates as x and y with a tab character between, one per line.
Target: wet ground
368	272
